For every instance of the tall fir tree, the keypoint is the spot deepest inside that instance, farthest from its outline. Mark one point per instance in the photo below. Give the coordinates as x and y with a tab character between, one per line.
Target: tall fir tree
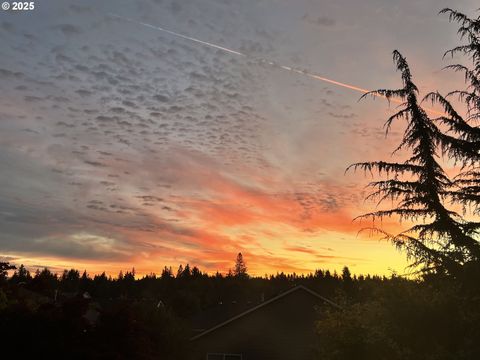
440	239
240	269
463	127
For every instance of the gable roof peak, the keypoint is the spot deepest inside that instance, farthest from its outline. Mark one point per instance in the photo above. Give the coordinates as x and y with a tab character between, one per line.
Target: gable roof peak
265	303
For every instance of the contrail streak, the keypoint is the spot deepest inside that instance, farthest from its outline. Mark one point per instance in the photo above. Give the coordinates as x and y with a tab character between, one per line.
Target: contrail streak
283	67
288	68
179	35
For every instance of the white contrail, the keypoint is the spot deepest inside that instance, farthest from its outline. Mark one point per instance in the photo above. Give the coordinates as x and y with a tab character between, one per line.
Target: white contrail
269	62
288	68
179	35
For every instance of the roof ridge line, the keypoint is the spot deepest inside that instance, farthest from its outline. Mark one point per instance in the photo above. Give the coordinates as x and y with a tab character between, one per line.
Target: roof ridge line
289	291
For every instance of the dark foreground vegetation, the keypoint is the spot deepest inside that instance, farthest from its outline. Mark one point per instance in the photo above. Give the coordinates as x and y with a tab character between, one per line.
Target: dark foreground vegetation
434	315
434	318
76	316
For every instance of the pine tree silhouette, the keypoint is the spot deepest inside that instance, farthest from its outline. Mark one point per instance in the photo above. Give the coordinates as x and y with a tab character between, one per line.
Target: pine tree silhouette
240	269
470	30
466	140
441	239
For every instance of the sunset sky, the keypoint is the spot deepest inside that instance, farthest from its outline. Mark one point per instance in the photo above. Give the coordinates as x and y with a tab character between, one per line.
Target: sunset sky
122	146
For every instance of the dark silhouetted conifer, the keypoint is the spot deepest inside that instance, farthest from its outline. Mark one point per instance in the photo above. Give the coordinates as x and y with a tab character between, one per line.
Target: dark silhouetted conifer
240	269
440	239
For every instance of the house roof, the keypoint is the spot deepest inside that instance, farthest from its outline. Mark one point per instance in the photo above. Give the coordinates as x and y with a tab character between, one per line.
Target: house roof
263	304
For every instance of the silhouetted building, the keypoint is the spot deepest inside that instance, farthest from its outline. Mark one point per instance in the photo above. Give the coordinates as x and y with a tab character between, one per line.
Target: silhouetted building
276	329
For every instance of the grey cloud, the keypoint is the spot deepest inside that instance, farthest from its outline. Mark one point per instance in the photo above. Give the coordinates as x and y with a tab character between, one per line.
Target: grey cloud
95	163
67	29
320	20
7	26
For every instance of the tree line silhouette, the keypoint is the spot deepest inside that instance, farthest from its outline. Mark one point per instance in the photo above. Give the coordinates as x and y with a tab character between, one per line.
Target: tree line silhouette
75	315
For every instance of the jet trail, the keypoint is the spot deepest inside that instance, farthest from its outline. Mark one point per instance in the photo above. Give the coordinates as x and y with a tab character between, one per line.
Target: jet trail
269	62
179	35
303	72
